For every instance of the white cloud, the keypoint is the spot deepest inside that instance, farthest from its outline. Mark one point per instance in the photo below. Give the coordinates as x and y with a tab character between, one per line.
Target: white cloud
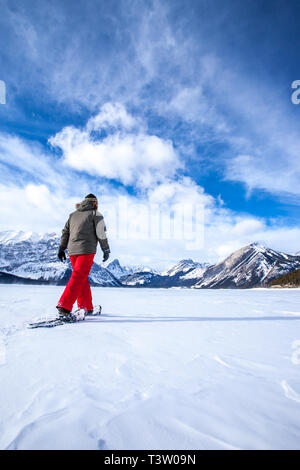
33	207
27	157
278	176
68	68
149	62
44	206
264	142
23	161
182	191
154	64
36	208
112	115
133	158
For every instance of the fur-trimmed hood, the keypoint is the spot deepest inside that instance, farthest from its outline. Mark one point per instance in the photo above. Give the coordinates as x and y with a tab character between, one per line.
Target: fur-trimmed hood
88	204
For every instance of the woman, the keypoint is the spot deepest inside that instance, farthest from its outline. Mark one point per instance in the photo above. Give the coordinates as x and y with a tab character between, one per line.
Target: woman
84	228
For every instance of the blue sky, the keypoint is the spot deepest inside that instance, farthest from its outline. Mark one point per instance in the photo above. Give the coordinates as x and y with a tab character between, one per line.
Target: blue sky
156	101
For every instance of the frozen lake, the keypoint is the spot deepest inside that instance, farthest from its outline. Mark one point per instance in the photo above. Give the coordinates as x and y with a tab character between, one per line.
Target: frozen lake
160	369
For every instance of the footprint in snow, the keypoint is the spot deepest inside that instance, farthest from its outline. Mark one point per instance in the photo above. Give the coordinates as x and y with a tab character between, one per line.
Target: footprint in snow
223	363
289	392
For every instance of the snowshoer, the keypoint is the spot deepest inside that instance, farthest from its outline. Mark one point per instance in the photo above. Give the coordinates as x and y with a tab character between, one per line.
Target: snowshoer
84	228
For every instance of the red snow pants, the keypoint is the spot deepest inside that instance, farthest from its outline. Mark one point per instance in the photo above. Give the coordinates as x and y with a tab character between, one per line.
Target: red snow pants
78	287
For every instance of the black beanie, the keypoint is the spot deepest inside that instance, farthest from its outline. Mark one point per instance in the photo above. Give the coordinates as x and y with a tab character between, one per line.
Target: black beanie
90	196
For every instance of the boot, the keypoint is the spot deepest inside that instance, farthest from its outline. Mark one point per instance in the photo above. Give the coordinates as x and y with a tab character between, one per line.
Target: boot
64	314
94	311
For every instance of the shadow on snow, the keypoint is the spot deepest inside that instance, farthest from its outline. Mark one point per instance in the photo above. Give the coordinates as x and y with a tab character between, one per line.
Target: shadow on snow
111	318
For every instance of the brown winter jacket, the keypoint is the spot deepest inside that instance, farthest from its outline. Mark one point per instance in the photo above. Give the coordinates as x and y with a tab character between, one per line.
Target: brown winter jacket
84	228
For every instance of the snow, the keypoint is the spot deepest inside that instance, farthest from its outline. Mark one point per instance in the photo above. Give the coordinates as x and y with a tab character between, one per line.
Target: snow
161	369
182	266
119	271
194	274
43	271
10	237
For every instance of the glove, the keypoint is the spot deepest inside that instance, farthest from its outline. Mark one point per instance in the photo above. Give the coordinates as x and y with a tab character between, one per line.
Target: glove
61	255
105	256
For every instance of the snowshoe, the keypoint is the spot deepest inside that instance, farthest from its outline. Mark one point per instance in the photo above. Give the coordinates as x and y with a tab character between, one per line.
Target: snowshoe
95	311
64	316
45	324
72	317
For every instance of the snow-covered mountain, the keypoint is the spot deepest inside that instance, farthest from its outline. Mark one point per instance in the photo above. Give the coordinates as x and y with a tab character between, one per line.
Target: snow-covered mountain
10	237
116	269
251	266
142	279
119	271
186	270
28	255
183	274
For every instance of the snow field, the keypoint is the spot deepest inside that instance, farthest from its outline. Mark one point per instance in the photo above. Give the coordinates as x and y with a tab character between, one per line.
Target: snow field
160	369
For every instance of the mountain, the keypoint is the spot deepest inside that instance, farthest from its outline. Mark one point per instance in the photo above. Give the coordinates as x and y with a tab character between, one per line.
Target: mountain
251	266
116	269
132	275
141	279
185	267
291	279
102	277
12	279
30	257
121	272
183	274
27	255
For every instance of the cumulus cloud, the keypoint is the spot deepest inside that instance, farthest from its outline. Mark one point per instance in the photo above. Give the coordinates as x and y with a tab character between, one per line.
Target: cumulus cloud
130	157
113	115
32	207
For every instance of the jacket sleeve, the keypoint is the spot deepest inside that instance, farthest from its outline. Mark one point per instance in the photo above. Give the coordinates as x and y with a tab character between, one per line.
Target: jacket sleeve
101	231
65	236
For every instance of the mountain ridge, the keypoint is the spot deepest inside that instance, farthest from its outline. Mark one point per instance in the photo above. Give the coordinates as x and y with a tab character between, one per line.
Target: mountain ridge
31	256
251	266
28	255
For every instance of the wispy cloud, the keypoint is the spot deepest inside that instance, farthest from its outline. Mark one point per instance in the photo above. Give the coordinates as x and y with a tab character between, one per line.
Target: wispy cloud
144	90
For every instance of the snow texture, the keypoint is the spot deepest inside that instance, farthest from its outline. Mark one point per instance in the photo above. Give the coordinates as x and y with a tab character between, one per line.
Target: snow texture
160	369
